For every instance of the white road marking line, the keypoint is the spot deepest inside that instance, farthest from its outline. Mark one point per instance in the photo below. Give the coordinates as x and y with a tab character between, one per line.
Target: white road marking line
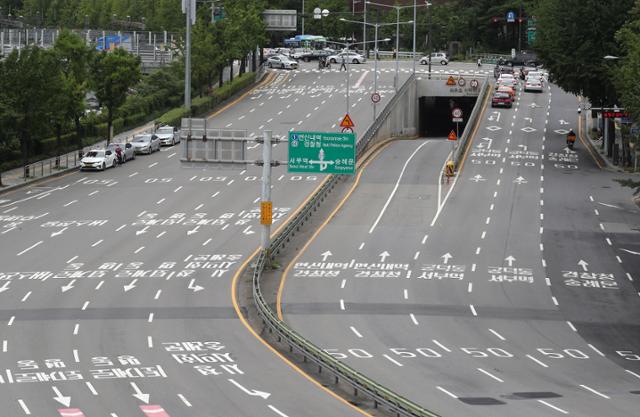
99	285
199	207
629	276
489	374
121	227
206	242
555	300
93	193
413	319
162	200
184	400
24	407
91	388
491	207
478	250
152	165
43	196
488	220
619	259
225	226
395	188
595	392
361	246
544	263
470	287
133	175
256	200
72	259
596	212
498	182
171	156
341	304
150	319
443	347
601	226
541	247
76	357
424	239
548	281
544	365
571	326
278	412
495	194
85	305
97	243
8	230
26	296
608	241
416	256
157	294
553	406
230	182
591	198
498	335
392	360
633	373
29	248
541	230
355	331
161	234
139	249
595	349
76	329
406	294
473	267
215	194
4	345
150	342
11	320
70	203
455	397
177	189
473	310
343	283
484	234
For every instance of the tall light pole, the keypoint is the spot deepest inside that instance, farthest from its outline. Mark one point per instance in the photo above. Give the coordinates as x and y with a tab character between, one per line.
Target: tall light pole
415	24
375	54
302	17
189	9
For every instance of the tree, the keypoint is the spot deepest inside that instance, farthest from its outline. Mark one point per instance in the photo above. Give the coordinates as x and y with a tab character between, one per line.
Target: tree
573	36
627	69
112	74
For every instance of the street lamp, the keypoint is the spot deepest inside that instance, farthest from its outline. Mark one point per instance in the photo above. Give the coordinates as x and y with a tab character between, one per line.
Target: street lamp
375	54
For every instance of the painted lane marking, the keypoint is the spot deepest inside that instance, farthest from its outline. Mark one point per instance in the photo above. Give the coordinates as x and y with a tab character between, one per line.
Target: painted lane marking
571	326
171	156
177	189
278	412
544	365
24	407
618	259
76	329
473	310
443	347
26	296
11	320
206	242
489	374
555	300
97	243
184	400
413	319
595	392
72	259
343	283
392	360
406	294
595	349
633	373
395	188
133	175
157	294
152	165
85	305
416	255
498	335
76	357
121	227
91	388
547	281
150	319
355	331
455	397
70	203
629	276
150	342
93	193
162	200
470	287
99	285
29	248
361	246
5	346
424	239
553	406
161	234
139	250
341	304
153	410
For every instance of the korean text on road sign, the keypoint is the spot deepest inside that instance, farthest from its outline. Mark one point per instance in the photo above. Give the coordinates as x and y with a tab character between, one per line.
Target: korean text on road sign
322	152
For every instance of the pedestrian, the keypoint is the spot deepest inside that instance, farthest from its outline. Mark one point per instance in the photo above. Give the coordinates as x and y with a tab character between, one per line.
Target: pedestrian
344	63
394	53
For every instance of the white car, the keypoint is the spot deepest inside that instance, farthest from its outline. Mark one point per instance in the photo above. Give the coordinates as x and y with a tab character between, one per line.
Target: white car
507	79
533	84
146	143
349	57
98	159
436	58
168	135
281	61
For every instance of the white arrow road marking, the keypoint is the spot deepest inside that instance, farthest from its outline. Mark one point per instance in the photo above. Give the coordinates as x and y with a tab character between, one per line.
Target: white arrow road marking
139	232
192	231
59	232
66	401
477	178
69	286
253	393
563	122
4	287
520	180
194	287
138	394
383	256
446	257
484	145
608	205
583	264
325	255
248	231
131	285
510	260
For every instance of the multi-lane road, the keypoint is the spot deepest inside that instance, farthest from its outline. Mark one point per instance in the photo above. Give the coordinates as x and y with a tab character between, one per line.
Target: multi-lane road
512	291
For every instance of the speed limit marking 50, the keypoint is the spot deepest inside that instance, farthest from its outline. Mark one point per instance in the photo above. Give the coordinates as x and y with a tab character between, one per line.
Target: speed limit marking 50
375	97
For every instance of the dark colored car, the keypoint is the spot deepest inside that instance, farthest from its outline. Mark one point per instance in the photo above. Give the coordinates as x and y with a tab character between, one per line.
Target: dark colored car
501	69
500	99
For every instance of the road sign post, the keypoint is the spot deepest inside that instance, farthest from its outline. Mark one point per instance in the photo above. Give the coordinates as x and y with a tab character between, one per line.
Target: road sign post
266	188
453	137
322	152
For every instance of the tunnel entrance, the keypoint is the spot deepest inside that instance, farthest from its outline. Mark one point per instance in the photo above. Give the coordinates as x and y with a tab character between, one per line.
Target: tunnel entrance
434	118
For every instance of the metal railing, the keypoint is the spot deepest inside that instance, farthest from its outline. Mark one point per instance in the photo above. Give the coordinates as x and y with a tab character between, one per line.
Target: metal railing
473	117
380	394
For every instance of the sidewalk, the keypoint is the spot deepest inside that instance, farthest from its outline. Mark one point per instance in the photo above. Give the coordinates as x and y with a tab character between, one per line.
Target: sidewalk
14	178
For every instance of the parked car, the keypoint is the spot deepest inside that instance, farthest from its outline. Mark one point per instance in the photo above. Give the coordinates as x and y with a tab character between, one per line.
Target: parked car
146	143
501	99
349	56
168	135
281	61
98	159
436	58
128	153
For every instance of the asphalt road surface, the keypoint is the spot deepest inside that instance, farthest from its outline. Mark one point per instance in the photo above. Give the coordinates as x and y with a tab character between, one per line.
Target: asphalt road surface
512	291
115	285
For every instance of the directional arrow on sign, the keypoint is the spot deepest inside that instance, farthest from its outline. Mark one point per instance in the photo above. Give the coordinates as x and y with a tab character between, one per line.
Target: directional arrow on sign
326	255
130	285
383	256
520	180
192	231
59	232
139	395
143	231
477	178
4	287
583	264
194	287
510	259
252	392
446	257
69	286
66	401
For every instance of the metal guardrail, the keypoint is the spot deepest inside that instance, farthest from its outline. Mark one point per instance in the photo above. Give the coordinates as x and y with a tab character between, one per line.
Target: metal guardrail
380	394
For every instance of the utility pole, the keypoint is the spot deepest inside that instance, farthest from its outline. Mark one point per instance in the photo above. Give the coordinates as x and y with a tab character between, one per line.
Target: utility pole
266	185
415	23
189	8
302	17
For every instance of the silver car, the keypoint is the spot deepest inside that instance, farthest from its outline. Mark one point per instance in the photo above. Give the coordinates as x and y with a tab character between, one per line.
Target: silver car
168	135
349	57
146	143
281	61
128	153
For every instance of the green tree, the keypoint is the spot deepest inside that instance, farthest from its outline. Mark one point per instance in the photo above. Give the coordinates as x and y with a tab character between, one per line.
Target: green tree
112	75
573	36
626	72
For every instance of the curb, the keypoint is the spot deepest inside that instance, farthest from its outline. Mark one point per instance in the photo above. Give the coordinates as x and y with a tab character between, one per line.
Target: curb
8	189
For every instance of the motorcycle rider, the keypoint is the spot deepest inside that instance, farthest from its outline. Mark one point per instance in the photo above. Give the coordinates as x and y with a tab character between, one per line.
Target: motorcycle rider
571	138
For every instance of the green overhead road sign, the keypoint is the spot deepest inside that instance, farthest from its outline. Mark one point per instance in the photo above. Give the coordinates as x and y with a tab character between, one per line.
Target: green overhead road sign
321	152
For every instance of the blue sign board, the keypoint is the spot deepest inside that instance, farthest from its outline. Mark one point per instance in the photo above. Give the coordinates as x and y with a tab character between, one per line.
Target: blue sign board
511	16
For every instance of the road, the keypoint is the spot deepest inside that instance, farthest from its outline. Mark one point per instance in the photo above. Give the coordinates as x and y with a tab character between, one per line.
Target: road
115	285
512	291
